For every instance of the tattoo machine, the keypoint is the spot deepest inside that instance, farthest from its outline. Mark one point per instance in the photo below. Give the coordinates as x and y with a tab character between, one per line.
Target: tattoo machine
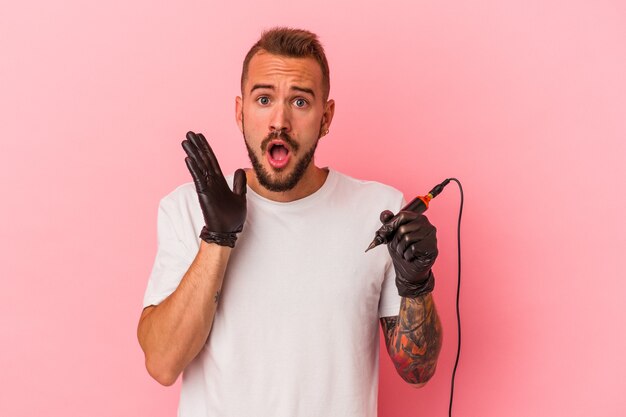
418	205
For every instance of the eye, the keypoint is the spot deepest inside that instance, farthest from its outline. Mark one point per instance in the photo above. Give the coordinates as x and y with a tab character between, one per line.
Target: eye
300	102
263	100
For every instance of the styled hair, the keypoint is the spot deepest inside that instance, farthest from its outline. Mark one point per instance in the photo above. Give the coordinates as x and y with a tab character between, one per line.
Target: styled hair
293	43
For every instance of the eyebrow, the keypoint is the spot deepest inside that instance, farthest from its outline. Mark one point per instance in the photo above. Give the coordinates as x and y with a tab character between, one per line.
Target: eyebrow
304	90
257	86
271	87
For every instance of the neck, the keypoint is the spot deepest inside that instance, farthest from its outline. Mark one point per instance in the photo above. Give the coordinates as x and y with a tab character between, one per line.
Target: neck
311	181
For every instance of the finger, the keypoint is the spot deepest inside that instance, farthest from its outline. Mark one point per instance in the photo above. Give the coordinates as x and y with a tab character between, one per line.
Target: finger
415	233
197	174
403	241
418	227
404	217
192	152
423	259
197	142
239	182
212	160
418	246
389	229
418	223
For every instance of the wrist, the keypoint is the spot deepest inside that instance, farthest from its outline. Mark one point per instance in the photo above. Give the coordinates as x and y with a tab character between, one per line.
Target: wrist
221	239
413	289
213	251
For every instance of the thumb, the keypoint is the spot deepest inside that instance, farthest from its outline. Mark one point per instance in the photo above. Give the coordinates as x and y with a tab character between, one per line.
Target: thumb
239	182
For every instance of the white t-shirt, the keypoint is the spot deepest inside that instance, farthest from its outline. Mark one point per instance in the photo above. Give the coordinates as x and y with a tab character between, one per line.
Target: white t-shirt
296	332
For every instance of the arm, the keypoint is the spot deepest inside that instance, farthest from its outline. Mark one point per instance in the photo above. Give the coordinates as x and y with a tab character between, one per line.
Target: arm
172	333
413	339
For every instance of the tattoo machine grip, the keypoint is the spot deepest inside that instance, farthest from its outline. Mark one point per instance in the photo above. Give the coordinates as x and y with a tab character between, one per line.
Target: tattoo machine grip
418	205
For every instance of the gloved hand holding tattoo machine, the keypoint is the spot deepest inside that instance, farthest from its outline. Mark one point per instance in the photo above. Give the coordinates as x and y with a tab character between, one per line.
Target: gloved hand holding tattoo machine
412	244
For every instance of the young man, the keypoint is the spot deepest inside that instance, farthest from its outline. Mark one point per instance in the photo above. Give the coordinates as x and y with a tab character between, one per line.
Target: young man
273	311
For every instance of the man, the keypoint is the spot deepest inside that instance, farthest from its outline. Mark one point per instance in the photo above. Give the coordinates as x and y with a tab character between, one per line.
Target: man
274	310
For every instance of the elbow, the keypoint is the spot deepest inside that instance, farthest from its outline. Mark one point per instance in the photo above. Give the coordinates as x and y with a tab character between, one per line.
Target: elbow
420	383
419	379
161	374
158	368
165	379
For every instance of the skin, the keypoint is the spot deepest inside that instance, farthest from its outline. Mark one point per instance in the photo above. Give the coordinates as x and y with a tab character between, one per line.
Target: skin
172	333
413	339
283	93
279	94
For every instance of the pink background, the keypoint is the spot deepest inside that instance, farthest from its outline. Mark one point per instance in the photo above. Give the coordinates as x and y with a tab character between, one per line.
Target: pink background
524	101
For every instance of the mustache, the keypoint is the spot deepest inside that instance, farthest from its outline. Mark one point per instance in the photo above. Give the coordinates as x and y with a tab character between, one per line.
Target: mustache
279	134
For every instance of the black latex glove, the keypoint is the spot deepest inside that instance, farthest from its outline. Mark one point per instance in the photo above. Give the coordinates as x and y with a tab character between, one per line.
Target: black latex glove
224	210
413	250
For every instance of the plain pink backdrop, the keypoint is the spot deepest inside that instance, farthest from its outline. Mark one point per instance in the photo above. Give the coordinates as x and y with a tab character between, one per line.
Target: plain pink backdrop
524	101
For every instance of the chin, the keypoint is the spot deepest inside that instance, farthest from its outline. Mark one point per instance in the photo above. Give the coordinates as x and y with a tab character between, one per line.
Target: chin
281	179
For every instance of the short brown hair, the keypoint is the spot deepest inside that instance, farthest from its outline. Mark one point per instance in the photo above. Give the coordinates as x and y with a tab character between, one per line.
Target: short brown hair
294	43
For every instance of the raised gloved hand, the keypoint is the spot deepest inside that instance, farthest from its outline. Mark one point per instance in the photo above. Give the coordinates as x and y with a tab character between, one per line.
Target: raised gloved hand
413	250
224	210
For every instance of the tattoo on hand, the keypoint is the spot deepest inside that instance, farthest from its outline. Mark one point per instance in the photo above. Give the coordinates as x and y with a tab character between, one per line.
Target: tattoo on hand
217	296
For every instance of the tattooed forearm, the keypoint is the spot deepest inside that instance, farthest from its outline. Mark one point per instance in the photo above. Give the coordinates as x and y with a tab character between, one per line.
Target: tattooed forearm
413	338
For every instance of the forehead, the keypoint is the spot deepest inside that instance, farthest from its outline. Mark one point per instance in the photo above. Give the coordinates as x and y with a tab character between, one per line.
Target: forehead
267	68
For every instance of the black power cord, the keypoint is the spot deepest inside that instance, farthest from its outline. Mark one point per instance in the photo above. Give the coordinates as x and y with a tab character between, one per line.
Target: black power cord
458	291
437	189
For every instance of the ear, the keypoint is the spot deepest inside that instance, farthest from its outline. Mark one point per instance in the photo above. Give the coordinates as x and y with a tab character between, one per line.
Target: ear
239	112
327	117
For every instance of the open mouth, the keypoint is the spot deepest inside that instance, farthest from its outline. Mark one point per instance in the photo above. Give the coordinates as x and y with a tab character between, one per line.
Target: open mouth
278	153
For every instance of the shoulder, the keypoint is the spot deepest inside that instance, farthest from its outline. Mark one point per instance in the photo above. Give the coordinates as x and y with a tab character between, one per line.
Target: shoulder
365	185
179	198
368	190
180	211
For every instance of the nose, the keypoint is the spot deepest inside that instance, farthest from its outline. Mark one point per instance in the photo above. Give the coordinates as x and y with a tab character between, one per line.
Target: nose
281	118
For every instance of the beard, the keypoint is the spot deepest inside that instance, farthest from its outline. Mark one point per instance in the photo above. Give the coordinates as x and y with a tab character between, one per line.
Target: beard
281	183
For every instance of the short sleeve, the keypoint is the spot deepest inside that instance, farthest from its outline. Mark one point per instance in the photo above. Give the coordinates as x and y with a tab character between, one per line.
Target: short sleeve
173	257
389	304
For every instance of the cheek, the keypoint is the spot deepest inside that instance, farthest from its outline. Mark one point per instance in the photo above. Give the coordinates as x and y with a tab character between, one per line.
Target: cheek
254	119
312	123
